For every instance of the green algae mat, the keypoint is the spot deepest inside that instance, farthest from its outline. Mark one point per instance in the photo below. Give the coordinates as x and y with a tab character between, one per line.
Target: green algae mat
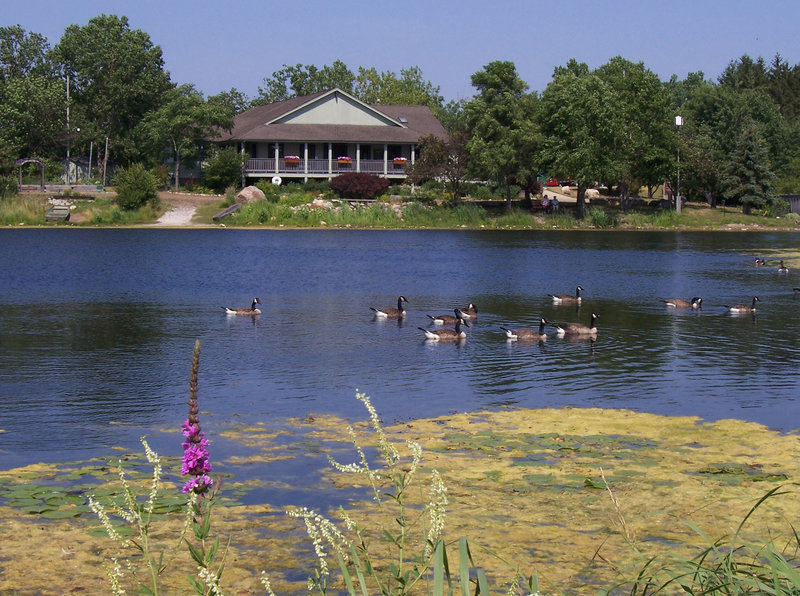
579	497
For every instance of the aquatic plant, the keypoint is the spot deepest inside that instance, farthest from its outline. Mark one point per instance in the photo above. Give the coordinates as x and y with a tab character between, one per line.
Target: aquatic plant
410	549
140	513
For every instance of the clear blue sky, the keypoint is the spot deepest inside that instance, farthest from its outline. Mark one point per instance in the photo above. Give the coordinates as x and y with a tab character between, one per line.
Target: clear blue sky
236	43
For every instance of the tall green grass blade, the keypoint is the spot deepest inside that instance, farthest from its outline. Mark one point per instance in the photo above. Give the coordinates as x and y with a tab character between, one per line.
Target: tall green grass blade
348	582
483	583
359	571
463	566
438	569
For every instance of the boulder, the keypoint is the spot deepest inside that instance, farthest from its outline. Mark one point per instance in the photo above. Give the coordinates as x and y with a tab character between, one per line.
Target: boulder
566	190
250	194
592	193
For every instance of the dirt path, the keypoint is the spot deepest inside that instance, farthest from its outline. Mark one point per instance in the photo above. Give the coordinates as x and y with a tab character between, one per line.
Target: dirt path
181	207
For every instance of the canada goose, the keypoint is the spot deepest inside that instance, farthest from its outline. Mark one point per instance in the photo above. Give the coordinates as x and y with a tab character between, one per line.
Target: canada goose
447	319
392	313
743	308
760	262
578	329
243	310
567	298
470	312
446	334
527	334
695	302
796	291
783	268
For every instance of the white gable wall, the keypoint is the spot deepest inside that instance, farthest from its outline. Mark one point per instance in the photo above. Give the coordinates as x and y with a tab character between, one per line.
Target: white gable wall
336	109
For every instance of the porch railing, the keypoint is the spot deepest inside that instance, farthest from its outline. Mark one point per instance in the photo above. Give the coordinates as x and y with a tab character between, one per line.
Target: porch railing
317	167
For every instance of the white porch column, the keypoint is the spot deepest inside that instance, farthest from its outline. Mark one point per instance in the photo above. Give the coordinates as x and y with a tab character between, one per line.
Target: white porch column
413	154
385	159
305	158
244	169
358	157
330	158
277	157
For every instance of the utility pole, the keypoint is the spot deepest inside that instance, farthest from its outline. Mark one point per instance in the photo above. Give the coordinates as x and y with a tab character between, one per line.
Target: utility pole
678	123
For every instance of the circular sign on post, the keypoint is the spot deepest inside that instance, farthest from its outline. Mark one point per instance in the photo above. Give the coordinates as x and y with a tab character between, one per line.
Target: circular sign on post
276	180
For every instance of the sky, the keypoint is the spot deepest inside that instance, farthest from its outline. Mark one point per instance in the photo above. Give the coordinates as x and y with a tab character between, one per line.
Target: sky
219	45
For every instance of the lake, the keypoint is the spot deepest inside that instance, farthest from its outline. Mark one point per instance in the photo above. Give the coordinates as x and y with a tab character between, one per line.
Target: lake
98	326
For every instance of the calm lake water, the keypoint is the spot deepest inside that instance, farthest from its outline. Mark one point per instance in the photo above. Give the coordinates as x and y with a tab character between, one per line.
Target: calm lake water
98	326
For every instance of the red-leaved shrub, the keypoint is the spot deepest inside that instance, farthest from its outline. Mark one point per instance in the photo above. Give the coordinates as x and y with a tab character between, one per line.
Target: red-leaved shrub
358	185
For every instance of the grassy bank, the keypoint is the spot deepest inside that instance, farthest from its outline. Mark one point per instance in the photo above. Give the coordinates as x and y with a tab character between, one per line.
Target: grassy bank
301	209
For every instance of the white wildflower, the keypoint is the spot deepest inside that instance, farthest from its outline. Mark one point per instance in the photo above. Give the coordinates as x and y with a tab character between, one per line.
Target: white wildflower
154	460
437	502
265	583
104	519
210	581
114	574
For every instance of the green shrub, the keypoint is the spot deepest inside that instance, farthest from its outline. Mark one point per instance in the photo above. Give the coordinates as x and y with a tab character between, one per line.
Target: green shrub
136	187
600	218
8	186
271	191
296	199
358	185
224	169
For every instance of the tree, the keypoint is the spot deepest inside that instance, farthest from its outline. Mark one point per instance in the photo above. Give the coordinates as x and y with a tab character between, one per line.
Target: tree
581	121
116	77
501	124
32	115
442	159
22	54
233	102
747	178
649	146
386	88
183	121
299	80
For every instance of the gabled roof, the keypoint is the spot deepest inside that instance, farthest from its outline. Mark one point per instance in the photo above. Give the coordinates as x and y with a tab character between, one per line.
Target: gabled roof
333	116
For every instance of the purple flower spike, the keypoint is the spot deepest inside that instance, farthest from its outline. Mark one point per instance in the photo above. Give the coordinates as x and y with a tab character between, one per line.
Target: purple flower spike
195	456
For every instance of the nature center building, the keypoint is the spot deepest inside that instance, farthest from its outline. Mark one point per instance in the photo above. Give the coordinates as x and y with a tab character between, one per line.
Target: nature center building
329	133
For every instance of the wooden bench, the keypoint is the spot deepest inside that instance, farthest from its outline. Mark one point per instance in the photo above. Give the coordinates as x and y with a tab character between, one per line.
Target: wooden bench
57	213
227	211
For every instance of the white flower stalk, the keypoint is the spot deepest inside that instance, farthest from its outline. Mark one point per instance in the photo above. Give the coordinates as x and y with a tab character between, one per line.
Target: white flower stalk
104	519
389	452
265	583
437	503
416	457
322	531
209	581
155	461
114	572
131	514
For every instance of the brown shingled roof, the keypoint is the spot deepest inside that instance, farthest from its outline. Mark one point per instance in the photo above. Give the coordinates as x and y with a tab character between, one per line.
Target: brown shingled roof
414	122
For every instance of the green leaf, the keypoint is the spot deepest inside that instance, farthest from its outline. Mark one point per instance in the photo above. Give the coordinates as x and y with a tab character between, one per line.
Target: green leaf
197	555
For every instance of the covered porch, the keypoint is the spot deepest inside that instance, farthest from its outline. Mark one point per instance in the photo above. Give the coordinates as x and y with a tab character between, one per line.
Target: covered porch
326	160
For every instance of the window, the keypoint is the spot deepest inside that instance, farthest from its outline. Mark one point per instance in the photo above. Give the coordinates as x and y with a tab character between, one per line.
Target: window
339	150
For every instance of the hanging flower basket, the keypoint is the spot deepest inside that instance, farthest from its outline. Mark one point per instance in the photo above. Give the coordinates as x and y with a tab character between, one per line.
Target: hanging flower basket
291	160
344	161
399	162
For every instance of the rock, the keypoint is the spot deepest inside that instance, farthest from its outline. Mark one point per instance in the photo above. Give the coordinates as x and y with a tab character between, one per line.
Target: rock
592	193
566	190
250	194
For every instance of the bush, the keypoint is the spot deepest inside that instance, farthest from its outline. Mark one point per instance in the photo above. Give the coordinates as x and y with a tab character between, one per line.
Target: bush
136	187
271	191
8	186
224	169
357	185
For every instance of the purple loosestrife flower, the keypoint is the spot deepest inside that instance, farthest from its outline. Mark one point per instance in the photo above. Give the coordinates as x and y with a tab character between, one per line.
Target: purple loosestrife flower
195	461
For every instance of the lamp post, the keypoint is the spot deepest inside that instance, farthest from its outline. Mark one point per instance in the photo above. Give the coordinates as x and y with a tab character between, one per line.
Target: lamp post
678	124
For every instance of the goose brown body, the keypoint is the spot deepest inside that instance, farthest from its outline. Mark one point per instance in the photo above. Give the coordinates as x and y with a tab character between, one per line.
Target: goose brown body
392	313
448	319
578	329
567	298
243	311
446	334
470	311
527	334
743	308
695	302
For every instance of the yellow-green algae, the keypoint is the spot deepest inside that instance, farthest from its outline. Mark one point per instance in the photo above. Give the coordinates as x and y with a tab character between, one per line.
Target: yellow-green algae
526	484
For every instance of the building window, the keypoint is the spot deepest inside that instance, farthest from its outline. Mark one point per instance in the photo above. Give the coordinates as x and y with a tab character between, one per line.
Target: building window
395	151
339	150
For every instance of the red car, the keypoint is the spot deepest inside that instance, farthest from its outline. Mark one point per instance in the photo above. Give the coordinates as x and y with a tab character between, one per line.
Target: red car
552	182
